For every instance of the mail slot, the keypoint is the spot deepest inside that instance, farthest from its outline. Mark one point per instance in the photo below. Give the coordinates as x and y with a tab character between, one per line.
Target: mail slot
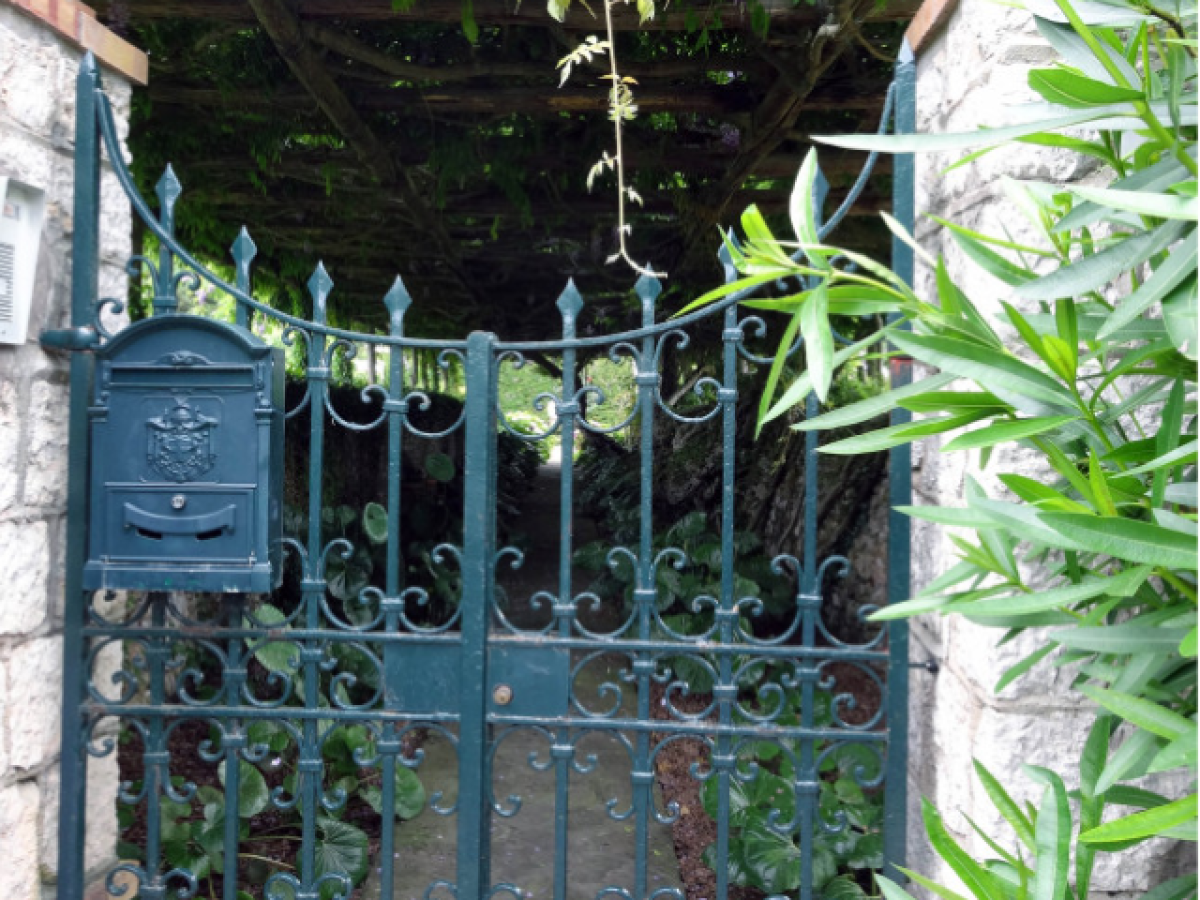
186	459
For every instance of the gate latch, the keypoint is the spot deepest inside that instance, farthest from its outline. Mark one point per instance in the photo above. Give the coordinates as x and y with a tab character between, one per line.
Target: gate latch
70	339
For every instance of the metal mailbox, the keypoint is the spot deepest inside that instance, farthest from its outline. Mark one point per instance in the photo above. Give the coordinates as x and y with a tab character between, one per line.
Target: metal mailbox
187	459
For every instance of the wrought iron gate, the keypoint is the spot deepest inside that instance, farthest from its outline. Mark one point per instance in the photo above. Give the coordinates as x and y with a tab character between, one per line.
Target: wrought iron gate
274	682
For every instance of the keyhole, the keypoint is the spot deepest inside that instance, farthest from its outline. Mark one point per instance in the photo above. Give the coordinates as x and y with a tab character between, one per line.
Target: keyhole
178	501
503	695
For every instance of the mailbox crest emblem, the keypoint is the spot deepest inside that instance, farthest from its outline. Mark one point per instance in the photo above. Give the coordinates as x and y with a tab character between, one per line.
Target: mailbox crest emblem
180	443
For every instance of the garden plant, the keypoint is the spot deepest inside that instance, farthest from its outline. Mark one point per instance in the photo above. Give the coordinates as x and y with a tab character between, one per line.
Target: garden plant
1089	367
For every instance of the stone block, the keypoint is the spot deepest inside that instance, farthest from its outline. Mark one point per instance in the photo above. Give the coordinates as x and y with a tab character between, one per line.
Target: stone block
11	441
27	69
46	471
19	877
25	605
100	813
32	723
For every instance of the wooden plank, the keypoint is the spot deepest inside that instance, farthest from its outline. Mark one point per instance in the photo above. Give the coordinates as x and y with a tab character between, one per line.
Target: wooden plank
77	23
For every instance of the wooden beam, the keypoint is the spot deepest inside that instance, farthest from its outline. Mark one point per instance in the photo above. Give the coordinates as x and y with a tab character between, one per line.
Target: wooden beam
349	45
284	30
729	100
731	15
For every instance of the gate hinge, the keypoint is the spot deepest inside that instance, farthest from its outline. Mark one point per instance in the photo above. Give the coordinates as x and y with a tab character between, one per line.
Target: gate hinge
70	339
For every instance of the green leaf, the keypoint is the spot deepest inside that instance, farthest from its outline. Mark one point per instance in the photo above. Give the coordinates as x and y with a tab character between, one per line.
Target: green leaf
800	205
979	881
1127	539
1052	837
470	26
954	401
990	368
895	435
1012	673
1129	760
818	340
375	523
280	657
409	797
341	849
953	516
843	887
995	264
1179	264
1143	825
1073	90
1096	271
871	407
1095	754
1185	453
1143	713
1005	432
938	143
1180	752
772	859
1176	889
1143	203
1180	318
1005	805
937	889
802	386
440	467
1120	638
253	794
776	371
1187	647
1122	585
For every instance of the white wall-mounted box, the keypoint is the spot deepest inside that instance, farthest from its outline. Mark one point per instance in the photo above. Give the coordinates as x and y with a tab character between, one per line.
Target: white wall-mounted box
21	209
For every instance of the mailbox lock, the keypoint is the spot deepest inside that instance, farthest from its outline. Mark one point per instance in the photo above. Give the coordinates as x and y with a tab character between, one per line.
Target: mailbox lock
178	501
503	695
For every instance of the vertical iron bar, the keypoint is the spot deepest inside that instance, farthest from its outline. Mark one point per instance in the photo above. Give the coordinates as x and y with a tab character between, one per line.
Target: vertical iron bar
900	494
397	302
155	754
806	787
569	304
85	247
310	766
479	539
645	595
233	741
725	691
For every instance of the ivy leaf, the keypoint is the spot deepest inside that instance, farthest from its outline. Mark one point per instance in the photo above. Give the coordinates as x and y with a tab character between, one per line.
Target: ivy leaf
410	794
772	859
253	794
375	523
341	850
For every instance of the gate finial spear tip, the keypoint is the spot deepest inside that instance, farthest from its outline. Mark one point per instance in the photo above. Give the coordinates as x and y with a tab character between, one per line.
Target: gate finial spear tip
243	249
319	286
168	189
570	301
397	299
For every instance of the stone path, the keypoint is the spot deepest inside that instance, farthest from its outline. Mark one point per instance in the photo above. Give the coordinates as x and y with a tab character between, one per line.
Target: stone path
600	849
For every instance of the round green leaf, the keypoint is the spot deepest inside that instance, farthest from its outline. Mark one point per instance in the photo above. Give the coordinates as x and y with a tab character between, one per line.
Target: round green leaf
375	523
341	849
253	795
439	466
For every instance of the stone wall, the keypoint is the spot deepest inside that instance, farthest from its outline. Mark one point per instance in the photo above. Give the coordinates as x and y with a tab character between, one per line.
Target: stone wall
970	71
38	65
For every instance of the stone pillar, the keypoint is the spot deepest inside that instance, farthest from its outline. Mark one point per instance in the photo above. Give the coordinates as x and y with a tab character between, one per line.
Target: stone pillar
39	57
973	62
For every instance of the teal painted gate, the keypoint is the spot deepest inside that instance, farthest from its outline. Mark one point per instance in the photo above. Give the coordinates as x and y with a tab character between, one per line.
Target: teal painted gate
271	681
